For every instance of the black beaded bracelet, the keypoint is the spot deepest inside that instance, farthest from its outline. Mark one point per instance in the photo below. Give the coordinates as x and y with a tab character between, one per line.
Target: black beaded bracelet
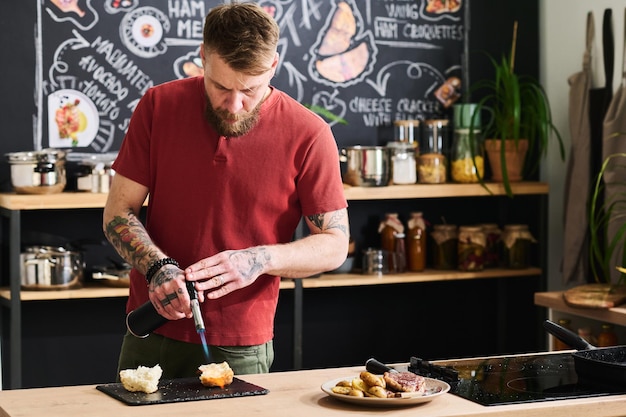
156	265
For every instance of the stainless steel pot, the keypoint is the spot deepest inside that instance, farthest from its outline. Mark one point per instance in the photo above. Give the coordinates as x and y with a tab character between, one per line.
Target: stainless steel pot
38	172
366	166
49	267
95	173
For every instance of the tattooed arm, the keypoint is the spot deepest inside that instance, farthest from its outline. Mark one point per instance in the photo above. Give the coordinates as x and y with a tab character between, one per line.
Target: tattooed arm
324	249
130	239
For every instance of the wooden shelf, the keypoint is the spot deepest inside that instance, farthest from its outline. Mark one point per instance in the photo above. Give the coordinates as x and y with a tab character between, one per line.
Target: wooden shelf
352	280
66	200
324	281
554	300
88	291
82	200
441	190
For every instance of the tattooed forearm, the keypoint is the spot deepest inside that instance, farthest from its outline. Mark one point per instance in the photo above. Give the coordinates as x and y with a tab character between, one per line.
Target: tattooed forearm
130	239
250	262
334	221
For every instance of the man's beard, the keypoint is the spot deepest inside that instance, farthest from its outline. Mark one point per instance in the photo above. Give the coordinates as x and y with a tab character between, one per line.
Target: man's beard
232	125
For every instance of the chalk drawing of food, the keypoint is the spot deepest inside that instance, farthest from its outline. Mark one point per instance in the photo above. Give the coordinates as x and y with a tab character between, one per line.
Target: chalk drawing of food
69	6
343	54
70	121
443	6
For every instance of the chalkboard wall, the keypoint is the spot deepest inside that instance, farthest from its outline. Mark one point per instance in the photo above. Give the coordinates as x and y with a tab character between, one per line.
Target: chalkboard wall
102	56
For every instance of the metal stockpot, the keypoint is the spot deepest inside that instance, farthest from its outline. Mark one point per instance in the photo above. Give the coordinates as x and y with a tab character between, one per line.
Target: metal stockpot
95	174
49	267
366	166
38	172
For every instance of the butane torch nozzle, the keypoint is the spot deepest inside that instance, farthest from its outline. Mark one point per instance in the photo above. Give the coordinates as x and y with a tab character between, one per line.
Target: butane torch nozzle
195	307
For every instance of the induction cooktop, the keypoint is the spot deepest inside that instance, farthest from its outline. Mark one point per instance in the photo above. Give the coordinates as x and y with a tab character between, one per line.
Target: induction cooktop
513	379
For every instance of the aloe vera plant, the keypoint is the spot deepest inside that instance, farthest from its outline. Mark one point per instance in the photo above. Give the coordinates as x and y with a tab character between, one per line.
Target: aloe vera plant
603	247
518	108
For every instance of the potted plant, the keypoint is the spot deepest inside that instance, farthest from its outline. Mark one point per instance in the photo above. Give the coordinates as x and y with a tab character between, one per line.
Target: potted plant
606	207
607	237
518	118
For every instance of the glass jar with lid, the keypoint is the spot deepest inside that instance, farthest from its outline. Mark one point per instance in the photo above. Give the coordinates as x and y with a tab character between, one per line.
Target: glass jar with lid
444	247
471	248
416	242
467	163
434	145
406	131
388	229
516	245
403	164
493	247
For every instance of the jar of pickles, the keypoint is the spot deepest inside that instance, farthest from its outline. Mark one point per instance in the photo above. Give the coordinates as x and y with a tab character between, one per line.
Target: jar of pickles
493	246
516	244
444	248
471	248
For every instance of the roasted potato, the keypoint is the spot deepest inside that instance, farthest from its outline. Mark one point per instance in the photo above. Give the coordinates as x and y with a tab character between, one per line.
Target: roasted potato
341	390
372	380
359	384
378	391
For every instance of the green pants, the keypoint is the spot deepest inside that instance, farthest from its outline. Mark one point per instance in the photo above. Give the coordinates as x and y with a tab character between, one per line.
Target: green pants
181	359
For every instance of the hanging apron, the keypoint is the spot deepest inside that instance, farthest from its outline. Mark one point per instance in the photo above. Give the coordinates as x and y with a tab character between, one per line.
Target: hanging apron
615	176
577	180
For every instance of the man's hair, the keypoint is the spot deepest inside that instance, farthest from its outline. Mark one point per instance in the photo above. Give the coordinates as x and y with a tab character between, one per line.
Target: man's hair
243	34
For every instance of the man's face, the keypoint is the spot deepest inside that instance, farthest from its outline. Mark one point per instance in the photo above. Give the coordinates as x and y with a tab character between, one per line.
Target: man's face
234	98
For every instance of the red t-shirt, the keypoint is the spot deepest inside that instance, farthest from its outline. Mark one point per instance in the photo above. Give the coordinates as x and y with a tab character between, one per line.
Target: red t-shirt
210	193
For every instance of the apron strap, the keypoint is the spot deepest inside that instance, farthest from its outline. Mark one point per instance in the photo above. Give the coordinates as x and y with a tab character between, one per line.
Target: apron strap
608	44
591	32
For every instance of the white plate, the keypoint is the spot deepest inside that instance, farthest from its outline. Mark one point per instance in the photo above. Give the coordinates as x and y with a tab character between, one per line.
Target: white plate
84	137
434	388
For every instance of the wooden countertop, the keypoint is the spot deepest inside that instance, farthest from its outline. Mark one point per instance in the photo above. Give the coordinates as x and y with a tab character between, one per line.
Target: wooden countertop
295	393
554	300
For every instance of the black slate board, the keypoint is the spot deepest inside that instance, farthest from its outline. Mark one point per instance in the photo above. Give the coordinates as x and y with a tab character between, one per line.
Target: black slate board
181	390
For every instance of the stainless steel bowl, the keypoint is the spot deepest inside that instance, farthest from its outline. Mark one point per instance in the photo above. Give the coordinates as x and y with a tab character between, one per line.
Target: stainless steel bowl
50	268
366	166
38	172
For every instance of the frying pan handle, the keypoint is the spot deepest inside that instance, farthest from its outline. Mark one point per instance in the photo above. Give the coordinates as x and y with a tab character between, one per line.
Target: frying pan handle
567	336
377	367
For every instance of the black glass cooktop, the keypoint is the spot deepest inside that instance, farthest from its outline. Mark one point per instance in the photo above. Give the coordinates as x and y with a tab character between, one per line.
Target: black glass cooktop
513	379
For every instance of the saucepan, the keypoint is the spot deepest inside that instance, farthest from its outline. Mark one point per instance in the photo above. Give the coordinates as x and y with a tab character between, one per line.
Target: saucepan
593	365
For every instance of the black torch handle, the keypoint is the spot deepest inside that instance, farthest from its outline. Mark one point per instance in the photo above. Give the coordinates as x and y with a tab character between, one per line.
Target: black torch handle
144	320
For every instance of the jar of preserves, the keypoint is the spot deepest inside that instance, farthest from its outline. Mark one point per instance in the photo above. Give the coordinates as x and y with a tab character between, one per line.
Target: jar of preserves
403	164
516	243
492	250
445	241
471	248
388	228
416	242
607	336
399	255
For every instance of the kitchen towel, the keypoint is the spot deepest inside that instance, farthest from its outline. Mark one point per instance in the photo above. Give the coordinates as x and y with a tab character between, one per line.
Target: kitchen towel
575	229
